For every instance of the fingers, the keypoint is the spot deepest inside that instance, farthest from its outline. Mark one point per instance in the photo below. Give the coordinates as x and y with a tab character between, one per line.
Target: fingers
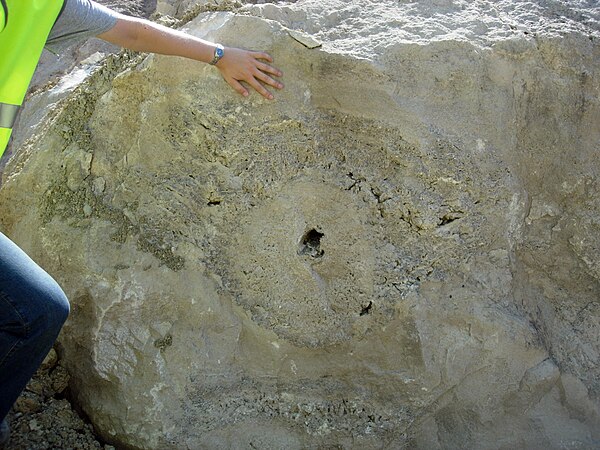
255	78
239	66
237	86
268	80
261	73
260	88
268	69
262	55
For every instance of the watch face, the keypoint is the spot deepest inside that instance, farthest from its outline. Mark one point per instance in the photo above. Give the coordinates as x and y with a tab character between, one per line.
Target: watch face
219	52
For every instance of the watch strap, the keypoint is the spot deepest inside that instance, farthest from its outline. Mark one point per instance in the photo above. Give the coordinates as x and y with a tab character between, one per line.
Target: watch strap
219	52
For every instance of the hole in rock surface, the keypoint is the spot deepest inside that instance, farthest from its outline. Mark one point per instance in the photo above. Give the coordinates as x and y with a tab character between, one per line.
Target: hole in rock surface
366	309
310	244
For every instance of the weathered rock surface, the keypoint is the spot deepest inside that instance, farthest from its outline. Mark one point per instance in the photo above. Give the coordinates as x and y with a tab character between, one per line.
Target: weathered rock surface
400	251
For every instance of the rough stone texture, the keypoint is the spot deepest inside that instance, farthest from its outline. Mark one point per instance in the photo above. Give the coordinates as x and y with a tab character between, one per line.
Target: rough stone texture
400	251
43	418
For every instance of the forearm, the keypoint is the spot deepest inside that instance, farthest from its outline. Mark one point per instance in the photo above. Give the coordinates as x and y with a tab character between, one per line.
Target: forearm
145	36
236	65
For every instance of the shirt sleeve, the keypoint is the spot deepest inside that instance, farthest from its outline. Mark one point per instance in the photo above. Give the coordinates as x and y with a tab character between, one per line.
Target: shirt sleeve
79	20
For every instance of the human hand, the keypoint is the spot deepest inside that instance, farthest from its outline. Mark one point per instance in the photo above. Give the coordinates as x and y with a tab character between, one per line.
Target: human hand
239	65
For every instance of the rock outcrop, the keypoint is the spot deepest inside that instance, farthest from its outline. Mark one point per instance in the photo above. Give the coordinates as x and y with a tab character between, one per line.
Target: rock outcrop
400	251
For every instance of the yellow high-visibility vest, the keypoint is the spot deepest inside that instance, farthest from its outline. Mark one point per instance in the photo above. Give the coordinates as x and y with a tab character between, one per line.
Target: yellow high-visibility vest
24	29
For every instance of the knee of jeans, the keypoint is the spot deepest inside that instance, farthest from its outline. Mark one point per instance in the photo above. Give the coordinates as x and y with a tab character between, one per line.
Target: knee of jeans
60	308
52	313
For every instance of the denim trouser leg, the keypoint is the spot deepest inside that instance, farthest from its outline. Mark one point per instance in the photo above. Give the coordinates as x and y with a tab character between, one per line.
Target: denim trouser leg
33	309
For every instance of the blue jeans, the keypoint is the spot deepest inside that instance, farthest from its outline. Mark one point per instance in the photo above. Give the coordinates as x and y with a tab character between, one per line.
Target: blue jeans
33	308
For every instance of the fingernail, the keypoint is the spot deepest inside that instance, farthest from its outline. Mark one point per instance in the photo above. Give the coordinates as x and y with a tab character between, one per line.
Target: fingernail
245	94
270	97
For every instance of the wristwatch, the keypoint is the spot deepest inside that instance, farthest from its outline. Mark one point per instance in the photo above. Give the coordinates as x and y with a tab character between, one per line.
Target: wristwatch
219	52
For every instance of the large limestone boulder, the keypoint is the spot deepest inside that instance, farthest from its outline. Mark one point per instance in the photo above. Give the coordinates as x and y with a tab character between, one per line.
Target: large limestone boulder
400	251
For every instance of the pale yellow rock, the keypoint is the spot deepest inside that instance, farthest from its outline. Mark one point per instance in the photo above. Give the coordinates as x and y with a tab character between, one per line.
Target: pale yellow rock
400	251
305	39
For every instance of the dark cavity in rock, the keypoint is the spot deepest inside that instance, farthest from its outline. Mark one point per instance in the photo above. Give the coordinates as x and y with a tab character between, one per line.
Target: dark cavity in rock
310	244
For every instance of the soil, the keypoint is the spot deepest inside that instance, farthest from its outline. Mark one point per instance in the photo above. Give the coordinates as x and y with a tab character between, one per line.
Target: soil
44	418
